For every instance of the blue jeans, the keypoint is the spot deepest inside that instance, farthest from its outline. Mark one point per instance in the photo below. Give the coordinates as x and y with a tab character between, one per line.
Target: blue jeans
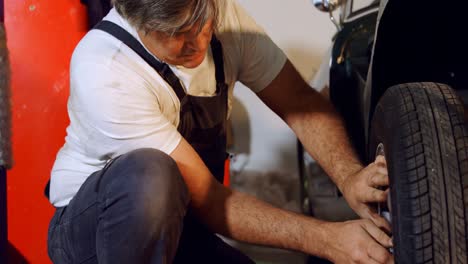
135	210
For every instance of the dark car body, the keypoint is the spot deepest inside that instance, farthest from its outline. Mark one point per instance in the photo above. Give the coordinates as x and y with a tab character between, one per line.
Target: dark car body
393	42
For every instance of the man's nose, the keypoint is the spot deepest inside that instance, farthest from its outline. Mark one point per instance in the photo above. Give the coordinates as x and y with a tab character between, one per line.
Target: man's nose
196	44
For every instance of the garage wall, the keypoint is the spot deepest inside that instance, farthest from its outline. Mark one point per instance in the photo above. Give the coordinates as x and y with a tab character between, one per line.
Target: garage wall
262	141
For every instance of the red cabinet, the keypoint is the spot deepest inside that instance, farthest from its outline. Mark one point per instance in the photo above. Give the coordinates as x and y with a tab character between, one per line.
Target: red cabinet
41	36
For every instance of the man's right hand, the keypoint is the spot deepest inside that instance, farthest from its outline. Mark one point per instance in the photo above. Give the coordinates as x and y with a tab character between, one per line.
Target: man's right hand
358	241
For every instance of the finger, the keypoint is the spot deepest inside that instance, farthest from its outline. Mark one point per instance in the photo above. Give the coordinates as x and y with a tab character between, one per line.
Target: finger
382	170
380	159
375	232
381	222
379	179
368	213
376	175
379	254
373	195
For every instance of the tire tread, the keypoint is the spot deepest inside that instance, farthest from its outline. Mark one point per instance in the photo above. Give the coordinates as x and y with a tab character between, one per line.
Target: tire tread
432	153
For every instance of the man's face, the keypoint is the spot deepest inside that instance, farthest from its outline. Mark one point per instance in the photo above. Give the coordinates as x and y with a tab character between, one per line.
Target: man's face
185	48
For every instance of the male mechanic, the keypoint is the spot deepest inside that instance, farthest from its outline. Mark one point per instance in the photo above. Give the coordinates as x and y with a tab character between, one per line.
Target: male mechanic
138	179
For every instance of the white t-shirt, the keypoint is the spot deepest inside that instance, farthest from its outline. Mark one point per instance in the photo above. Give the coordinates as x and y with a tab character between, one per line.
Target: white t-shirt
118	103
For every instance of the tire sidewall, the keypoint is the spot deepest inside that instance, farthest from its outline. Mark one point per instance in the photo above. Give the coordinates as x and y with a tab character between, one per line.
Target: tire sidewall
383	130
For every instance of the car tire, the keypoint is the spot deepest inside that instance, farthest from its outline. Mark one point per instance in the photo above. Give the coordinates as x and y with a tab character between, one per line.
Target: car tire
420	127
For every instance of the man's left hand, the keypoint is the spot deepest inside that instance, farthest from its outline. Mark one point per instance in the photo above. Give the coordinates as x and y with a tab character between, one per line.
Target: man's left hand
363	189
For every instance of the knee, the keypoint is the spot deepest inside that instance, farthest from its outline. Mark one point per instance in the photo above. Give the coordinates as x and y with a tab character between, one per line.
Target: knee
150	181
147	162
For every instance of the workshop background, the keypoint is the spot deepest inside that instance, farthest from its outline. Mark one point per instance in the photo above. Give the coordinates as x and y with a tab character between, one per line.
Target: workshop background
41	35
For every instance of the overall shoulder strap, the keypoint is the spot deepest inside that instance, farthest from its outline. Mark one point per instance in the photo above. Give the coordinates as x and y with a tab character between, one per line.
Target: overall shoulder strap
217	50
162	68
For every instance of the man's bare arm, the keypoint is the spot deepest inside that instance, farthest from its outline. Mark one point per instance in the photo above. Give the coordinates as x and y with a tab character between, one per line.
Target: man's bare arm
323	134
247	219
315	122
241	216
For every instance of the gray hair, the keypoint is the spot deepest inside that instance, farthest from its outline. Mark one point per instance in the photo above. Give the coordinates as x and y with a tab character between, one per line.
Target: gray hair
168	16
